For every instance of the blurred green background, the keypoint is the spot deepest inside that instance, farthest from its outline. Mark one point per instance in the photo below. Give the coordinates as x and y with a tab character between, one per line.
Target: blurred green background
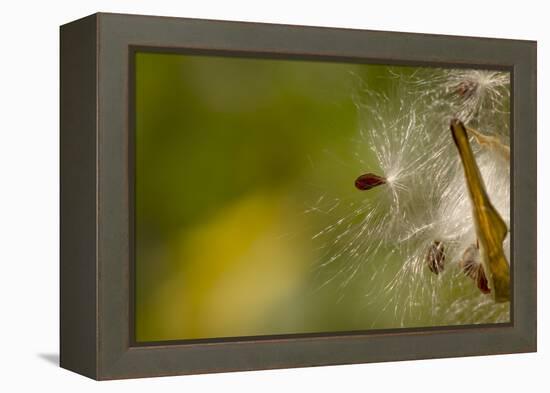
230	154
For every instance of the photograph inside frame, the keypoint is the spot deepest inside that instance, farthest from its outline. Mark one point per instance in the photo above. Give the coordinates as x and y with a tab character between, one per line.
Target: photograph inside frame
277	197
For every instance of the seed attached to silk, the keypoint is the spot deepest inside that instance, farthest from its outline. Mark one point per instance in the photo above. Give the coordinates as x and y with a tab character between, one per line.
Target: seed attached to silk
435	258
472	267
368	181
466	88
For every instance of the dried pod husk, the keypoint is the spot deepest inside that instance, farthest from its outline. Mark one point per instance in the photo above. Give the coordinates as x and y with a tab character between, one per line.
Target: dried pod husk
435	258
491	229
368	181
472	267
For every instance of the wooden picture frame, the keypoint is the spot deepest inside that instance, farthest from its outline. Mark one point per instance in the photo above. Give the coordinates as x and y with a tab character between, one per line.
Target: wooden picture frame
96	143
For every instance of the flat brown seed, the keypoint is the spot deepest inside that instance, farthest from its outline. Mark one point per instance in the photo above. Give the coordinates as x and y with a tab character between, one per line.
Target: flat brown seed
481	281
472	267
435	258
470	261
368	181
466	89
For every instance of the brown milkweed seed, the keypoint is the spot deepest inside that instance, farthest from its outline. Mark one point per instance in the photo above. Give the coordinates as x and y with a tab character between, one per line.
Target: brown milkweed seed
368	181
435	258
472	267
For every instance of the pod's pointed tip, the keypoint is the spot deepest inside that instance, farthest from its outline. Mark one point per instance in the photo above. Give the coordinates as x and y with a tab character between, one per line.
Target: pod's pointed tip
455	122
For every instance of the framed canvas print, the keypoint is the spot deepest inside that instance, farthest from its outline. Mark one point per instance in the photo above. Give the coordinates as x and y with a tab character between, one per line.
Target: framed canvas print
241	196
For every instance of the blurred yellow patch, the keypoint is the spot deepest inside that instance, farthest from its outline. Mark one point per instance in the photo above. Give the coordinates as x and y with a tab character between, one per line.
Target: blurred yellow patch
235	269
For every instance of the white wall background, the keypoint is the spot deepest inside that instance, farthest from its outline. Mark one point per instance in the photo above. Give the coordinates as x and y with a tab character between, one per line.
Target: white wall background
29	194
